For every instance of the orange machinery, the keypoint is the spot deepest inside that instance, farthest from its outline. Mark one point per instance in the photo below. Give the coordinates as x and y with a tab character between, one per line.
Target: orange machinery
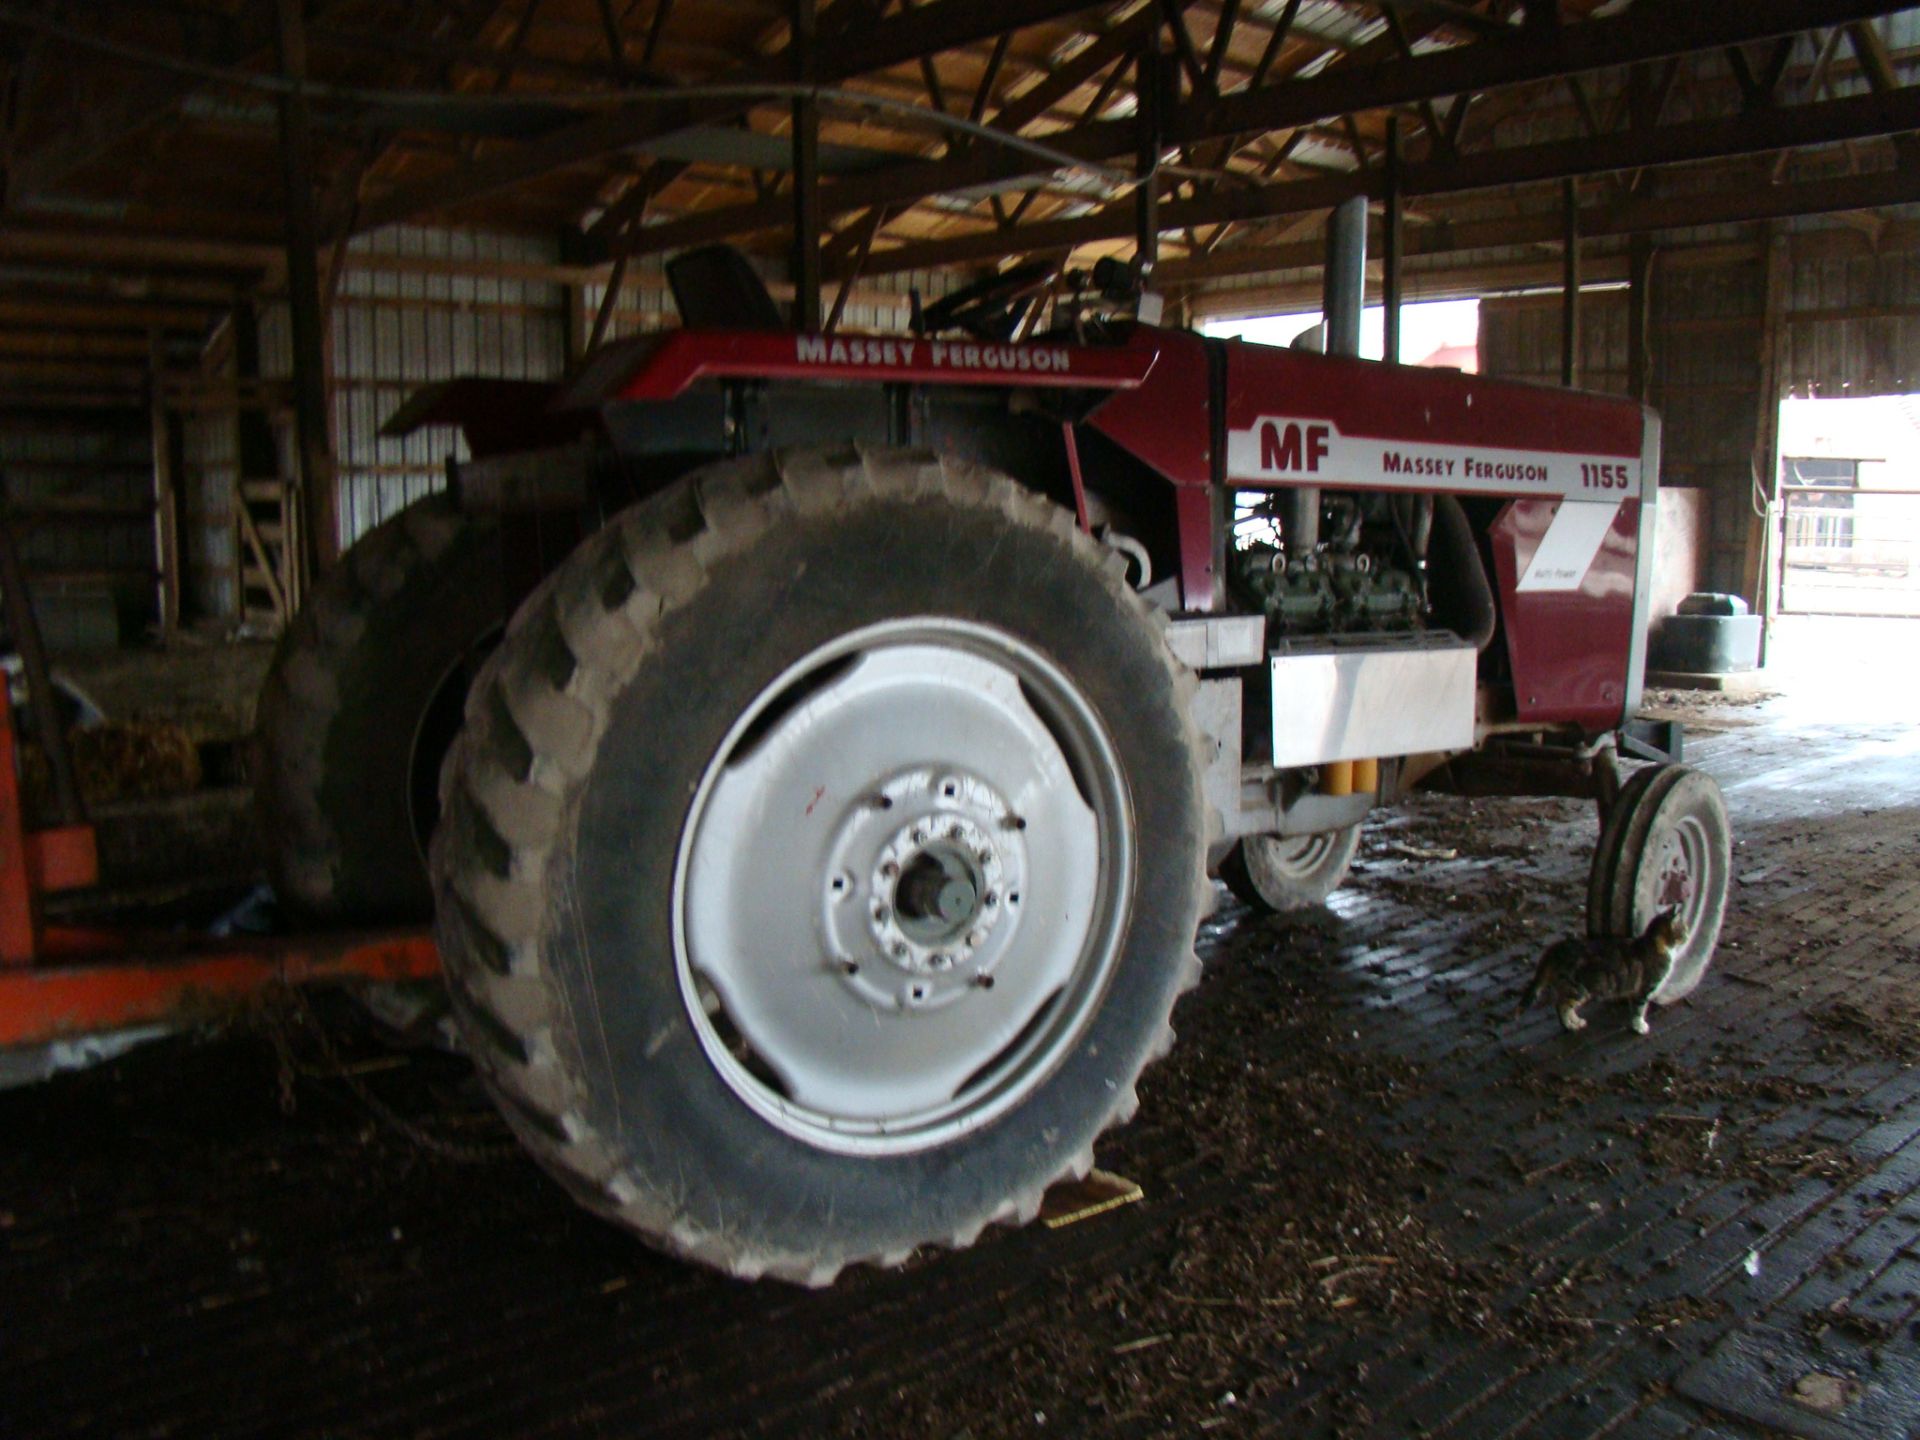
60	982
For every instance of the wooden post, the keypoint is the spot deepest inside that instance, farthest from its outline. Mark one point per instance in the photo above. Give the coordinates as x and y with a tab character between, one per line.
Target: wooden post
1150	85
609	303
1392	247
1639	310
806	177
310	401
166	510
1570	284
1755	572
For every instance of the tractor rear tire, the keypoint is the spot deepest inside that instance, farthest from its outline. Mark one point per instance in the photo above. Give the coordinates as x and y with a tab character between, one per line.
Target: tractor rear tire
822	858
1665	842
1278	873
360	704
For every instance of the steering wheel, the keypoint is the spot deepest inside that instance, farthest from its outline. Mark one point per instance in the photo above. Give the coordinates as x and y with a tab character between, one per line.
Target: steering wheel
986	309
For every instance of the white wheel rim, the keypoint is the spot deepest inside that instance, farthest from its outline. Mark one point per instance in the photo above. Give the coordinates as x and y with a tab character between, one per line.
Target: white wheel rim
902	886
1684	869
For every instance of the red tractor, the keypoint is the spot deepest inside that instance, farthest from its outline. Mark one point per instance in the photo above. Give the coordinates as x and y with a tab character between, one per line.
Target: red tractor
814	749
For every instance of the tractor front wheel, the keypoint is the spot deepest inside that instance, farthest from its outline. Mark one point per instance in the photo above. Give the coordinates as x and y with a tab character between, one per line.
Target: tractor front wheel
1278	873
1665	843
821	860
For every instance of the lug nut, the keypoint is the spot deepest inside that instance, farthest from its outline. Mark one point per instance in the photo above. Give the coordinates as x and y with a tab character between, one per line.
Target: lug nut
985	982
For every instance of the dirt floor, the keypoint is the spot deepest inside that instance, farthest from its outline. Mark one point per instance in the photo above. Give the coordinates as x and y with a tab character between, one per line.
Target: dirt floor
1378	1202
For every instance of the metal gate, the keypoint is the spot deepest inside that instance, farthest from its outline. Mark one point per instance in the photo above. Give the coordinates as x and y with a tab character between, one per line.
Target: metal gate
1846	550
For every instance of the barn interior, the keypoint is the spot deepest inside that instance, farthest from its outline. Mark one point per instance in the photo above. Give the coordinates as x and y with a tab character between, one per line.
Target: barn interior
1367	1194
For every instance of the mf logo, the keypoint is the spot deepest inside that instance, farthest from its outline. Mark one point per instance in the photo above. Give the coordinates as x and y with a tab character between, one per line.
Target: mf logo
1292	446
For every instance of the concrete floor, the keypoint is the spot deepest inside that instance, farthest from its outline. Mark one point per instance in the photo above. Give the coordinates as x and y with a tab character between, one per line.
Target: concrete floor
1377	1201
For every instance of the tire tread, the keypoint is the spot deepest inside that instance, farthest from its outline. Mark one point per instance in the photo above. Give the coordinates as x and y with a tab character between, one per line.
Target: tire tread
602	609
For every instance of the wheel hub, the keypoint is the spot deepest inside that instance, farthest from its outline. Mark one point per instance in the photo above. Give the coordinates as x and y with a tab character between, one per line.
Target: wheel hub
1680	863
918	887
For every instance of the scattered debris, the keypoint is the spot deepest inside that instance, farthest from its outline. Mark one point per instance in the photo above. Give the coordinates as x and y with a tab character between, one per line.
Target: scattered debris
1421	852
1071	1201
1826	1393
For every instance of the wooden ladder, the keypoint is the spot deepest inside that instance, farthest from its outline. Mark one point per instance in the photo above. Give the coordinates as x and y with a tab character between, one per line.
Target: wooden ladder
267	549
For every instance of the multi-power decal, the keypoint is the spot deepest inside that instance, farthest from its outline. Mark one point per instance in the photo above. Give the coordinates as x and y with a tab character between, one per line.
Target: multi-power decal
1567	551
1283	448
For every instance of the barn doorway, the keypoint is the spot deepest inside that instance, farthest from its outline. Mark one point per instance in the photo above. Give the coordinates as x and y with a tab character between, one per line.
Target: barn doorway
1849	537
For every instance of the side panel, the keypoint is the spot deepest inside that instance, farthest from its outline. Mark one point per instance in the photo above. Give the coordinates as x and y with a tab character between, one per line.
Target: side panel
1566	571
1167	420
1643	575
1304	419
664	366
1350	703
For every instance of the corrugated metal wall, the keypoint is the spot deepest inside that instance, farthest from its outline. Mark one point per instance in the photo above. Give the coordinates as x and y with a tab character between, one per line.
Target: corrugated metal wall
210	449
393	330
396	328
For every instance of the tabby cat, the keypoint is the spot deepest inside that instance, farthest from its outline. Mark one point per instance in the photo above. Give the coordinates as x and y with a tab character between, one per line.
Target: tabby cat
1572	972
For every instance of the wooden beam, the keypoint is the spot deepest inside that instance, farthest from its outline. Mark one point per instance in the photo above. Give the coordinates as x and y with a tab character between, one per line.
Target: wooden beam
1871	51
1062	80
166	498
1393	251
805	265
60	345
97	246
876	218
1633	218
312	417
19	374
1640	257
655	29
1856	116
1281	30
1570	284
1450	12
86	313
1641	34
944	26
1222	41
1478	280
104	101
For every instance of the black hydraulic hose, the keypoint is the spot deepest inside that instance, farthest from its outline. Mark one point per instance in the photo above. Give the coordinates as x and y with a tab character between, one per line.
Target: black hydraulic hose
1456	579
